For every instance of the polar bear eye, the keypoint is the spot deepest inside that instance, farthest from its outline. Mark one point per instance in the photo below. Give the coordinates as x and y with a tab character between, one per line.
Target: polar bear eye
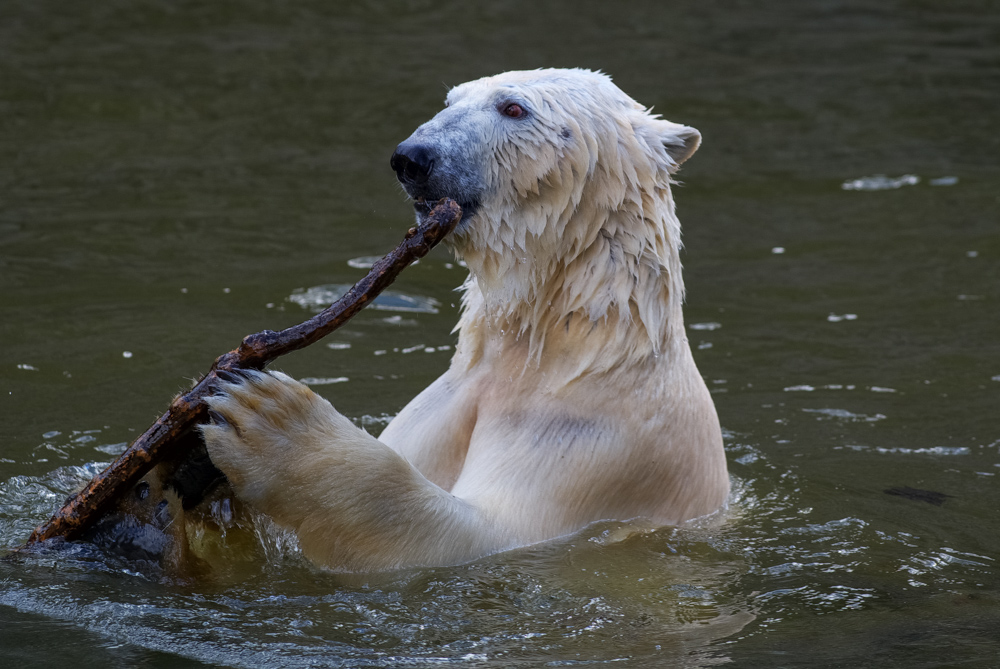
513	110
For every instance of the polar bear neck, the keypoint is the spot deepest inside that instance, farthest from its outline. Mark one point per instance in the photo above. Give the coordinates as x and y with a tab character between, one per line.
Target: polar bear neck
607	277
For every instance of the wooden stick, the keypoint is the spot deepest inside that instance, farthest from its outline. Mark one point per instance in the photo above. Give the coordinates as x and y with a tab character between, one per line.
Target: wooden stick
163	439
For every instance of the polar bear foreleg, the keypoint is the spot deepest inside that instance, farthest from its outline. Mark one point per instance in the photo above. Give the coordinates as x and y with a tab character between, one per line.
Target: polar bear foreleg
355	504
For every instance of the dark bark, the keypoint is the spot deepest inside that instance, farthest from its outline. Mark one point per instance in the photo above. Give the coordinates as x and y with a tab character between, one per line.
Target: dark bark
169	436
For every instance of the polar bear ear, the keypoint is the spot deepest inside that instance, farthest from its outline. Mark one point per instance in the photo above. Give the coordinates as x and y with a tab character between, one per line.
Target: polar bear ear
680	141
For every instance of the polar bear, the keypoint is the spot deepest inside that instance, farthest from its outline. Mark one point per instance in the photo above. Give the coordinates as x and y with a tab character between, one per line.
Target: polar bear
572	396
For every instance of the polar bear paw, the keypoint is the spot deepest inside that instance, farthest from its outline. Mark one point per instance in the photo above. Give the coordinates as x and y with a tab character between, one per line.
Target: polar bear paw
261	424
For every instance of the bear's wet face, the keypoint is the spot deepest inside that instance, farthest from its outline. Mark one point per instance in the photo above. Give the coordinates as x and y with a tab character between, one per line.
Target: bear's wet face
447	157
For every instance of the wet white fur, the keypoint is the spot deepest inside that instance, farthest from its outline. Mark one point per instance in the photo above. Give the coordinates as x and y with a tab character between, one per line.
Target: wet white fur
573	395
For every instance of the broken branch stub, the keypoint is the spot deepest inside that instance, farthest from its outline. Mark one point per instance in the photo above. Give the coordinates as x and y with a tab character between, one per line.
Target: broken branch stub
165	437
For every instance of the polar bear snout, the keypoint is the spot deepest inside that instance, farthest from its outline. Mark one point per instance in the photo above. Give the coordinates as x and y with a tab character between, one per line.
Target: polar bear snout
413	163
431	165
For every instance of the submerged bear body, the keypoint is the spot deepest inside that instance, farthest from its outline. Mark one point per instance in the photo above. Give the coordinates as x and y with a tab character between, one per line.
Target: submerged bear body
572	397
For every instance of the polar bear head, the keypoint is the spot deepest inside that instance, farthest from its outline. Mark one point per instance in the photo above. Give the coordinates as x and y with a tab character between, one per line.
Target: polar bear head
564	181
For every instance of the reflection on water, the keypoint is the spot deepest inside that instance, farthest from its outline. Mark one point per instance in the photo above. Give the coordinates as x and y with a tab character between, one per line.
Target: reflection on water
881	182
318	298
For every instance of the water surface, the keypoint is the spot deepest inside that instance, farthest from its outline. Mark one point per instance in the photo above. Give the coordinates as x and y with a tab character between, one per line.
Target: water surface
175	176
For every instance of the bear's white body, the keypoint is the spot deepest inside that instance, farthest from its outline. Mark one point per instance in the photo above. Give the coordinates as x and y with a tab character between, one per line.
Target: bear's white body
572	397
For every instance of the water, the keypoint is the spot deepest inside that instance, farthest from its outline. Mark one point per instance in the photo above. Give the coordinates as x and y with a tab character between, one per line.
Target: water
173	176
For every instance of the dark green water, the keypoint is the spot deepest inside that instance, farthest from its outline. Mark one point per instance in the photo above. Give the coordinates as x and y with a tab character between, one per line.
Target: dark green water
172	173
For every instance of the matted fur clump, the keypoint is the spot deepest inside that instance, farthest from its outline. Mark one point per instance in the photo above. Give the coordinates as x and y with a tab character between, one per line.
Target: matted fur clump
572	397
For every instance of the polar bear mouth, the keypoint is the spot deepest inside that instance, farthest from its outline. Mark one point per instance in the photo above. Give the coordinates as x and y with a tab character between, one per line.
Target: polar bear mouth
423	207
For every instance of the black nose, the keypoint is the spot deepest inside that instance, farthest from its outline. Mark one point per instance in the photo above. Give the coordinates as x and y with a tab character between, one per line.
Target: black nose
413	163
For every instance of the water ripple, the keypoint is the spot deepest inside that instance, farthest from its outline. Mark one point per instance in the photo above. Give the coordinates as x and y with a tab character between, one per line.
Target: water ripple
318	298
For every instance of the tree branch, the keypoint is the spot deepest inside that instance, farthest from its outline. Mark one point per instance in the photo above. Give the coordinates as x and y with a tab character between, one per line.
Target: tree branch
164	438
